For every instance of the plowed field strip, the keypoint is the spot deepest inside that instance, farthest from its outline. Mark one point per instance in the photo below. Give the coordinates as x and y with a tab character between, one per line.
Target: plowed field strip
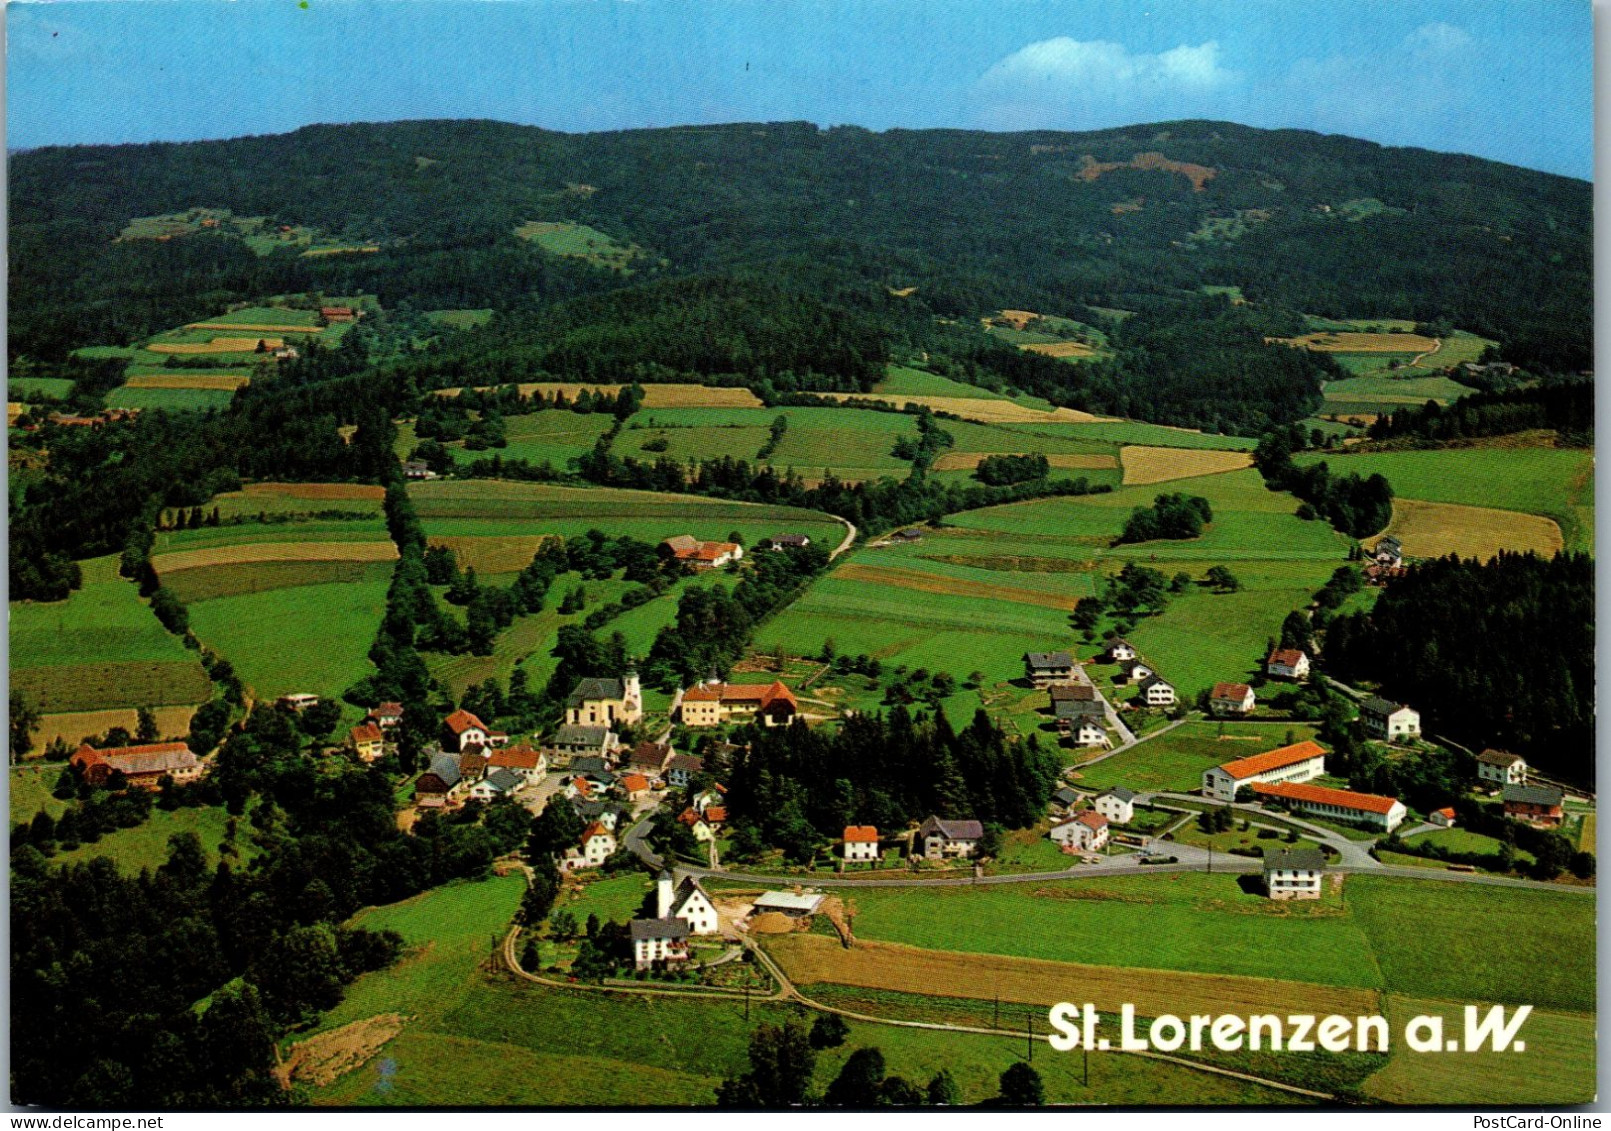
244	552
808	959
933	583
1144	464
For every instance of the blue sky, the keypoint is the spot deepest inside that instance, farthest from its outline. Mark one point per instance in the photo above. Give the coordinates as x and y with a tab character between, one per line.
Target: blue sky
1505	79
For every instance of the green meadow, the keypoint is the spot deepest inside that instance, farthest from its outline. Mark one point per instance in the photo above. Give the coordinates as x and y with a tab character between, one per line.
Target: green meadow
1176	759
173	400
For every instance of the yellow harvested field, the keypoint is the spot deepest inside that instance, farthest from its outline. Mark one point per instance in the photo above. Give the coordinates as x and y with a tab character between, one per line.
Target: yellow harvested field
14	409
1431	530
1348	341
654	396
982	410
921	582
1060	349
1143	464
323	1059
491	555
70	726
952	461
1033	981
313	252
182	380
254	327
245	552
217	345
314	490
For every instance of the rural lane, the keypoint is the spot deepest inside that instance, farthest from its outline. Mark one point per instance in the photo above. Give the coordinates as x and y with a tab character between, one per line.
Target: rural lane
849	540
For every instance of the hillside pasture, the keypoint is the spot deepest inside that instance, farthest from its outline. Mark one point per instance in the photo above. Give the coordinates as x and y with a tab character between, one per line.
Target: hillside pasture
1376	389
217	345
205	583
179	379
1133	432
983	410
1557	483
42	386
1355	341
170	399
99	649
291	319
299	498
1143	464
1431	530
71	726
907	381
578	241
494	555
254	552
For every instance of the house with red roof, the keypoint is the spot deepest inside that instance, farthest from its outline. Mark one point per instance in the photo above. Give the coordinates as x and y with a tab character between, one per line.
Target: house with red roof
1302	761
701	555
368	741
1287	663
385	716
634	787
1385	813
1086	831
714	703
521	759
861	843
143	766
1231	699
592	849
1444	817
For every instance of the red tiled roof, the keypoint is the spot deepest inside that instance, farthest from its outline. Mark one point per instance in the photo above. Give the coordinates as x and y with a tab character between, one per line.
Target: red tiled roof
151	758
1237	691
715	815
1286	657
1447	811
461	720
520	757
699	693
366	732
593	830
710	551
1273	759
861	834
689	816
1323	795
1092	819
634	783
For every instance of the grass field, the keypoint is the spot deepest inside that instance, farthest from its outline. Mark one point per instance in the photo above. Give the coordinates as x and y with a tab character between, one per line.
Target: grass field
146	845
1354	341
48	386
579	241
173	400
466	319
100	648
905	381
1175	761
565	1047
1557	483
1340	396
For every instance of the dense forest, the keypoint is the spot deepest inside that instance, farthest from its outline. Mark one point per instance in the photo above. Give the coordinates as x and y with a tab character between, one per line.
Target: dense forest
1567	408
1495	654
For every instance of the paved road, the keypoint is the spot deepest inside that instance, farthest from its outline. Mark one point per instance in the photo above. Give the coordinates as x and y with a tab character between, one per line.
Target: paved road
1352	854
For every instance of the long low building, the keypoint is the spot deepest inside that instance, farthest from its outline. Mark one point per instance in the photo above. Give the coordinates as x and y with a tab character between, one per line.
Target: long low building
1385	813
1301	761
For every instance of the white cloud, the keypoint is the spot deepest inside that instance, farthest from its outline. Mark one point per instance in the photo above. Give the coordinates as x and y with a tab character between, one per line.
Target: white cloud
1434	40
1098	61
1072	83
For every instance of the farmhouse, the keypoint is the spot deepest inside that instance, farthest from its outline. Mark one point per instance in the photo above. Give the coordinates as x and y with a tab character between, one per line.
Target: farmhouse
433	788
1071	711
1287	663
605	702
1385	813
1535	804
1294	873
649	759
1443	817
701	555
1117	804
942	840
461	729
573	742
497	783
1389	552
1155	691
143	766
417	469
385	716
1120	650
1133	671
910	534
861	842
1231	699
659	940
525	761
713	703
794	905
787	541
1299	762
1083	832
1382	718
368	741
682	768
1046	668
338	313
1086	733
1501	767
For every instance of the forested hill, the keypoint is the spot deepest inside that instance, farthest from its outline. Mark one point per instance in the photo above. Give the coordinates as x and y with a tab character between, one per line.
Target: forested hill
1131	218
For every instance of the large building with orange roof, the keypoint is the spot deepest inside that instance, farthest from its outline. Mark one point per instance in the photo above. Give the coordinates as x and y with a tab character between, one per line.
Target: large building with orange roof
1302	761
712	703
1385	813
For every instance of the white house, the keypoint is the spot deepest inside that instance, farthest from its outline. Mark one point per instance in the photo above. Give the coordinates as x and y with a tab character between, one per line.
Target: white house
1501	767
1120	651
1117	804
938	840
498	783
1134	671
1156	692
1389	552
464	729
1047	668
528	763
1088	732
1231	699
1385	813
1301	761
595	846
1384	719
686	901
1084	832
1294	873
1287	663
1443	817
861	842
659	940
